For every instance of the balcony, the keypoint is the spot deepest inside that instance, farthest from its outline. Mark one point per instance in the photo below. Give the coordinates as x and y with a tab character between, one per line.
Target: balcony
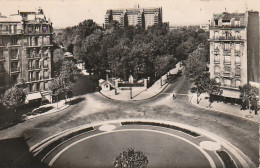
227	74
10	32
224	38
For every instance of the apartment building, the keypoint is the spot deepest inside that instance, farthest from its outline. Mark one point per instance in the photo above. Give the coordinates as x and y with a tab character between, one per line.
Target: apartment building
26	53
234	50
134	16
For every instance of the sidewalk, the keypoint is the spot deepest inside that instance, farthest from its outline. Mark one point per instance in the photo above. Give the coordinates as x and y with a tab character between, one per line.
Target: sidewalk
141	93
138	93
223	107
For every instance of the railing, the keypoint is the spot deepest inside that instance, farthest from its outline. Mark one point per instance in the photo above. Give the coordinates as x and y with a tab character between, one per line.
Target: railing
2	59
45	77
227	38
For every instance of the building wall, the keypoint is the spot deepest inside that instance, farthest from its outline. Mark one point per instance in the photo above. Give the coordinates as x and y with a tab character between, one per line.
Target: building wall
142	16
27	54
253	47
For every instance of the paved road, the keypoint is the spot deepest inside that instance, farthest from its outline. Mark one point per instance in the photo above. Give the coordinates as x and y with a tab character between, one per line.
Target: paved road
240	132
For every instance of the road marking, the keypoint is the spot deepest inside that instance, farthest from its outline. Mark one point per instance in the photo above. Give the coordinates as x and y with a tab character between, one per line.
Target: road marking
211	162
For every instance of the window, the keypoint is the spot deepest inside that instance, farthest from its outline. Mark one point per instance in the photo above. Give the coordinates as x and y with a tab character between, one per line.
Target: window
227	69
216	35
14	41
45	85
216	58
1	27
14	78
30	87
217	80
227	59
1	54
15	29
237	22
44	29
226	46
216	70
37	29
1	41
238	83
216	46
237	35
227	82
237	72
237	48
37	75
30	76
2	67
30	29
14	54
237	60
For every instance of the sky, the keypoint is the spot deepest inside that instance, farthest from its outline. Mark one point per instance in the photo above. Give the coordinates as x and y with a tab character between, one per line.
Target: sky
65	13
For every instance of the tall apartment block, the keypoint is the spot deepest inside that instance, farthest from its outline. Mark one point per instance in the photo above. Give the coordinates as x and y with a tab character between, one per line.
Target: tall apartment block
135	16
26	53
234	50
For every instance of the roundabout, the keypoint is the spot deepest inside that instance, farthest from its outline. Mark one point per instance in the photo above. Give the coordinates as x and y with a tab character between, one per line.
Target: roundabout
165	144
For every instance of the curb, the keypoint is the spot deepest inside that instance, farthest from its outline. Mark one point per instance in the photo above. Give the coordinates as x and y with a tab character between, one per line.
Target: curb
45	114
223	112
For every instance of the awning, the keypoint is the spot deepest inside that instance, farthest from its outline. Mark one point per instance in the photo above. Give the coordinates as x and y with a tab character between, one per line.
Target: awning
34	96
231	93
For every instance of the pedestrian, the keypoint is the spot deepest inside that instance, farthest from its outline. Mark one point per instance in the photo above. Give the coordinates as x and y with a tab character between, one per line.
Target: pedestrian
173	96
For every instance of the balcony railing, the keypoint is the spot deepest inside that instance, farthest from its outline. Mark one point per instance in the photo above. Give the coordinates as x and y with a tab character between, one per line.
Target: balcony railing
2	59
45	77
220	38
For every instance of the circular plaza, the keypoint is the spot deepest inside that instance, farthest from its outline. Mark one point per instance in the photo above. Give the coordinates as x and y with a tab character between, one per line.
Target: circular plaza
165	144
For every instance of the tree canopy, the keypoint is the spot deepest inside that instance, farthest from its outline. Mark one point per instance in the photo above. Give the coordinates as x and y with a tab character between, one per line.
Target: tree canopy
131	49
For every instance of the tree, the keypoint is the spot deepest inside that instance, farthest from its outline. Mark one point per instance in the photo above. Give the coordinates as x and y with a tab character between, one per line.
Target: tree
14	97
249	97
196	71
213	88
57	87
68	76
131	158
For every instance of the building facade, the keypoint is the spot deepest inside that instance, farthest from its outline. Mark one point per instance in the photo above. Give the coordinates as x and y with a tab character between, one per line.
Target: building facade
26	53
136	16
234	50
